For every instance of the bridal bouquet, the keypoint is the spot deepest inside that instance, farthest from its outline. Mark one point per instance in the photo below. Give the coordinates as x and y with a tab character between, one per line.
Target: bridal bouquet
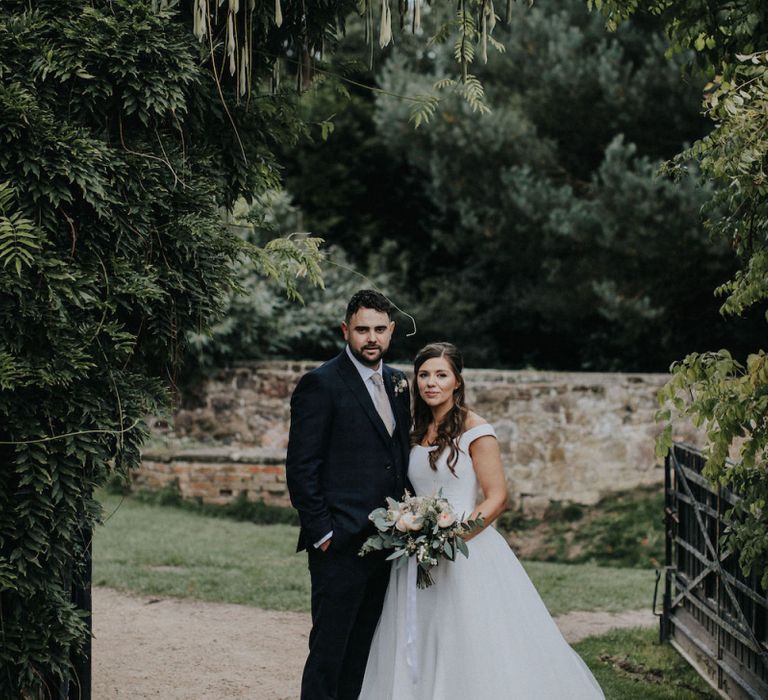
423	527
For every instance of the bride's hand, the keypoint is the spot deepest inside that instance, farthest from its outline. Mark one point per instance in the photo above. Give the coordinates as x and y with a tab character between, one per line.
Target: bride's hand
469	534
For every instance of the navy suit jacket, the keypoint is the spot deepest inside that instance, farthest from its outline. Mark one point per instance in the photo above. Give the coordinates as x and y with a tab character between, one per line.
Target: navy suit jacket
342	463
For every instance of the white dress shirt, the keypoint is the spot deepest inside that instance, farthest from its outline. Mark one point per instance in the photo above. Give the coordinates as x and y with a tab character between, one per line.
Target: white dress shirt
365	374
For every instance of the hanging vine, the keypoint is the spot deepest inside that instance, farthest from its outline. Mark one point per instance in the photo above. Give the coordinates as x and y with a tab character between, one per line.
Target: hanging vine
240	34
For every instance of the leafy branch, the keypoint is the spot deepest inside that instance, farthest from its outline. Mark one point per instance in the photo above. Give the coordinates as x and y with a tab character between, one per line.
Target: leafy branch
726	399
19	238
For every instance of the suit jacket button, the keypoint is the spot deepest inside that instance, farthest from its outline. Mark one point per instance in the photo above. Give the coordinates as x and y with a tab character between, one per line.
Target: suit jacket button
388	467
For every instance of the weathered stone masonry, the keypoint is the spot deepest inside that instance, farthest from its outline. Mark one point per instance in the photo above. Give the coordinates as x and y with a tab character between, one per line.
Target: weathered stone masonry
565	436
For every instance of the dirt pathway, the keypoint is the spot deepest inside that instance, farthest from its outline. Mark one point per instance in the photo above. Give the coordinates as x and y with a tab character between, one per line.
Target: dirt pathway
180	649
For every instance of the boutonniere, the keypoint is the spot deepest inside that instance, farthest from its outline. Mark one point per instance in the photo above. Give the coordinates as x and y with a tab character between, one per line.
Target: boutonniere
400	384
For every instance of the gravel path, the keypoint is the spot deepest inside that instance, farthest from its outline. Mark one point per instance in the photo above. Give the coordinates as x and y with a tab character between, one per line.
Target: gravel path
181	649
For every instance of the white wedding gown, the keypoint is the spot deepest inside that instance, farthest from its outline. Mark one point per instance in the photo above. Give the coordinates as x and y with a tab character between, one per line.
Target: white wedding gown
481	632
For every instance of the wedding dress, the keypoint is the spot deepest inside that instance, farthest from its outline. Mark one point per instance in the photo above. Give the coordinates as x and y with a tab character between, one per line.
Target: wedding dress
481	631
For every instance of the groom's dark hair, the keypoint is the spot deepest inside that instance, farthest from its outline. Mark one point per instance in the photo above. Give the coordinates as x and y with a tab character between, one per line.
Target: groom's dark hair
368	299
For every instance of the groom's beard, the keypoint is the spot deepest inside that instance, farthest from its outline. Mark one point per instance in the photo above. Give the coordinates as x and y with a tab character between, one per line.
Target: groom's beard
366	359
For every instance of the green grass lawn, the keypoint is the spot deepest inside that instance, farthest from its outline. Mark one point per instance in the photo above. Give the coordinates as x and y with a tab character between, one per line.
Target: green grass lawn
167	551
632	665
565	587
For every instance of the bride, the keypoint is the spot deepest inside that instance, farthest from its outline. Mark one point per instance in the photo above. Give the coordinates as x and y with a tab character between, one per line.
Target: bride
481	631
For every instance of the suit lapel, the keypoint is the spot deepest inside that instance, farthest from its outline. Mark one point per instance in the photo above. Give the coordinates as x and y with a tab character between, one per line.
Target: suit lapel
354	382
402	416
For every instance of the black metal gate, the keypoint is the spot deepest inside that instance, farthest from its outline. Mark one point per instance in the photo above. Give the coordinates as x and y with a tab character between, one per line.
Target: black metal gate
713	615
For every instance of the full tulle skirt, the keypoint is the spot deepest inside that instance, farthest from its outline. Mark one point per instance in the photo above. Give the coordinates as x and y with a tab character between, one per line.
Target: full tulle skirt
481	633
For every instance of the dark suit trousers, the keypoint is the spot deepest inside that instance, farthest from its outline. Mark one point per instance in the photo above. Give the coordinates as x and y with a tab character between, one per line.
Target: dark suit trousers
347	597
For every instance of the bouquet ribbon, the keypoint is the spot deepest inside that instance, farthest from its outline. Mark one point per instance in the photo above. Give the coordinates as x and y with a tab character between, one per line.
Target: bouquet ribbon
411	630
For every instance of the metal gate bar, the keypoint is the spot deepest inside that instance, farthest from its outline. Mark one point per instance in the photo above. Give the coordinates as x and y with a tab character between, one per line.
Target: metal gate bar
713	615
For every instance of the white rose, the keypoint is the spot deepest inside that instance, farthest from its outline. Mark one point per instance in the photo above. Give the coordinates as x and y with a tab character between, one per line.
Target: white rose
446	519
408	521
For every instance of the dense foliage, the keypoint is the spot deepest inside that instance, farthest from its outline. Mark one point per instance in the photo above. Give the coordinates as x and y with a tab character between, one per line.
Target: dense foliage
724	394
259	320
538	234
117	156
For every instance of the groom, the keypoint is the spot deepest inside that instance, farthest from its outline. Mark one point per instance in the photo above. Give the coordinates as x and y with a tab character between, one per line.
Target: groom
347	451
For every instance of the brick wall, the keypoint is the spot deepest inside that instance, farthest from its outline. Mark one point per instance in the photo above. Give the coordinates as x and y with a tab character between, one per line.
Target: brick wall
217	475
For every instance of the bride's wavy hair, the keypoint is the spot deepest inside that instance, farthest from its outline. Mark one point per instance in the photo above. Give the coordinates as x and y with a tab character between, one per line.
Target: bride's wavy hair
452	425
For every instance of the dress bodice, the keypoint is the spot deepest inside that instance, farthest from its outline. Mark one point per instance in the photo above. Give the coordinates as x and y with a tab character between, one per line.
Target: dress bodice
461	489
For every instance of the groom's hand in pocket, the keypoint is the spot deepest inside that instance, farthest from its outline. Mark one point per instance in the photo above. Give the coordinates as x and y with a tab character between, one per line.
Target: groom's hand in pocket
324	546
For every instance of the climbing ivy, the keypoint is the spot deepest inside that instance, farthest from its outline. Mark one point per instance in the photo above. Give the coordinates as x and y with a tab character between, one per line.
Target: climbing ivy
119	151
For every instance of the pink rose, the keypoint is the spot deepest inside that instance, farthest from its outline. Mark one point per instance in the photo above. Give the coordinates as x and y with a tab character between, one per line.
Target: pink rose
446	519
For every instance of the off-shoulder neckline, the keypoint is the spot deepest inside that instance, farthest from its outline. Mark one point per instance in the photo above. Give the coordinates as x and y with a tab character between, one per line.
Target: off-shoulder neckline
486	424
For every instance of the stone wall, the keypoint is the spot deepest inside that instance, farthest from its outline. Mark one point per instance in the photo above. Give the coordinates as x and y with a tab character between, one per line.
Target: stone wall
564	436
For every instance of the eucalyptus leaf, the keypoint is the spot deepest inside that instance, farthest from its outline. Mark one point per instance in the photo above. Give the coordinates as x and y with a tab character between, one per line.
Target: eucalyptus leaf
397	554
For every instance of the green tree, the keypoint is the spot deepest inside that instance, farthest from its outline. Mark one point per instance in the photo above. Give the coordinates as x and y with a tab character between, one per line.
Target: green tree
259	320
542	226
727	395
